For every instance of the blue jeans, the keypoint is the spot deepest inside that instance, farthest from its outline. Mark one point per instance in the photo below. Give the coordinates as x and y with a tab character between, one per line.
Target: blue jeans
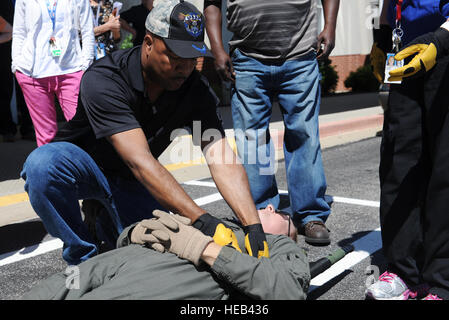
58	175
296	85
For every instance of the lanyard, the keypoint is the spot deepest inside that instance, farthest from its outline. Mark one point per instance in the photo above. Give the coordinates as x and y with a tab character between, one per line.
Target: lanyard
399	12
52	12
398	32
97	15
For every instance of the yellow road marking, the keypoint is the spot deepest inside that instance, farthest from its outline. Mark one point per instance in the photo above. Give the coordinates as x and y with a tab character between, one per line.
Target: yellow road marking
13	199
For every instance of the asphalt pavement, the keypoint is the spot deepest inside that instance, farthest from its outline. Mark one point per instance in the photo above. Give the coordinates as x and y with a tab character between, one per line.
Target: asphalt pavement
348	127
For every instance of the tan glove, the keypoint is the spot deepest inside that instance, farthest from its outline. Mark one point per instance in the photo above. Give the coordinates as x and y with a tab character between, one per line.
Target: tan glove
184	240
141	234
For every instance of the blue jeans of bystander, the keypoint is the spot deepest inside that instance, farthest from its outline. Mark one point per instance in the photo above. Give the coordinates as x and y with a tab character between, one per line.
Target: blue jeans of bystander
296	85
58	175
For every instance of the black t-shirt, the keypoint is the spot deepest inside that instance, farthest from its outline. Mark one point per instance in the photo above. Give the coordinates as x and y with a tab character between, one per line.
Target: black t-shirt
112	100
137	16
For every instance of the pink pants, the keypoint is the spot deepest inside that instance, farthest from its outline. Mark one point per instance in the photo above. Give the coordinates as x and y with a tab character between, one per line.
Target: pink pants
39	96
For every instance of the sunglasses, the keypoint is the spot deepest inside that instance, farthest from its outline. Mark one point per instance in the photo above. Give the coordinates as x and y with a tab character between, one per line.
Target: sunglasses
285	214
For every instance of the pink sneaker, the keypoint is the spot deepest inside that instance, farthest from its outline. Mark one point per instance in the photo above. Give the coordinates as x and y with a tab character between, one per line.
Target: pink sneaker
432	297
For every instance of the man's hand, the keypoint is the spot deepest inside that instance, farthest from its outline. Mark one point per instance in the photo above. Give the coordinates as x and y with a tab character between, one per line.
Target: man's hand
325	43
326	39
218	230
223	65
141	234
178	236
113	23
428	48
255	241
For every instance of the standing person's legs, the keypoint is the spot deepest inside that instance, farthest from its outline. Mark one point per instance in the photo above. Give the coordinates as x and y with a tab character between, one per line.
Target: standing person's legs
67	91
299	98
403	175
436	219
251	113
40	99
57	176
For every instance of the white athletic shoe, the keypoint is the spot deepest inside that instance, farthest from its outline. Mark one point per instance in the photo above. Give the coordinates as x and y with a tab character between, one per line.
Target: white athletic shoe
389	287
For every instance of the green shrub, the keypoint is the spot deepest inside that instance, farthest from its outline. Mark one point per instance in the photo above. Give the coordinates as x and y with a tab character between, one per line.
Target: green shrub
362	80
329	77
127	42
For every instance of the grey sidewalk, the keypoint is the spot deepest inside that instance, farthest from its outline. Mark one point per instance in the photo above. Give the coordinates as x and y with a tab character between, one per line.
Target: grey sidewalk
343	119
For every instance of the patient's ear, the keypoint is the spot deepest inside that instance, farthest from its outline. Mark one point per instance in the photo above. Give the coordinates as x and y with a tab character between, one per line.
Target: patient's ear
270	209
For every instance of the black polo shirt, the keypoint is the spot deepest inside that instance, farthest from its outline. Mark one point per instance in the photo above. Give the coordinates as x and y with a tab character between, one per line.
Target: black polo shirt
112	100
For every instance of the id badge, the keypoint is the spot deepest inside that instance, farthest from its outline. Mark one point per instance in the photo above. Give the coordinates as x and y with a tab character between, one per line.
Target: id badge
100	51
55	51
390	65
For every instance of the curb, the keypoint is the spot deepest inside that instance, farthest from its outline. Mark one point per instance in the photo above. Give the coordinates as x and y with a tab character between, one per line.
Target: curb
366	126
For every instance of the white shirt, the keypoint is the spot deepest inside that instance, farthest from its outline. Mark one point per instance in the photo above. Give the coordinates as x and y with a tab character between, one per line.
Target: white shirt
49	66
33	28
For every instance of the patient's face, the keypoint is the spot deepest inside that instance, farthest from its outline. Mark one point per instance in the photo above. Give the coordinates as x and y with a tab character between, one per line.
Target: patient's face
277	223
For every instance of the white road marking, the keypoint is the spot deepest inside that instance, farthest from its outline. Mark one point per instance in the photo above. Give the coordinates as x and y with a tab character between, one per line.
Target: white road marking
30	251
200	183
366	203
208	199
363	248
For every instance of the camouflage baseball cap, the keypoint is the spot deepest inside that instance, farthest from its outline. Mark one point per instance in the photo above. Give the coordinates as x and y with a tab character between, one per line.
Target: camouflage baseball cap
181	25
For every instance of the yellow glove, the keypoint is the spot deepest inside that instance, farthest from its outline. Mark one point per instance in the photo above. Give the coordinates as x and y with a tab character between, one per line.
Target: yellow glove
428	48
218	230
425	60
377	58
225	237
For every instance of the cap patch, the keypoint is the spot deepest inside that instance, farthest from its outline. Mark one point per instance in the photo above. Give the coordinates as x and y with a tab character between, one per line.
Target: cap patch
193	23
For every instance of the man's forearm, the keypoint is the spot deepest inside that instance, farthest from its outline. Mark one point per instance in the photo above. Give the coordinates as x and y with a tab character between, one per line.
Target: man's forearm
101	29
166	190
330	8
232	182
132	146
213	25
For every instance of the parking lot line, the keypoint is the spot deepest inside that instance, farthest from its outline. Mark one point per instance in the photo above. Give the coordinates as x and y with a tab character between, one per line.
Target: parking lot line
31	251
363	248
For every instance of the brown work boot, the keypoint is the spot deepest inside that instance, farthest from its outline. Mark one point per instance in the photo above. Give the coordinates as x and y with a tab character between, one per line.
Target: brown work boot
316	233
